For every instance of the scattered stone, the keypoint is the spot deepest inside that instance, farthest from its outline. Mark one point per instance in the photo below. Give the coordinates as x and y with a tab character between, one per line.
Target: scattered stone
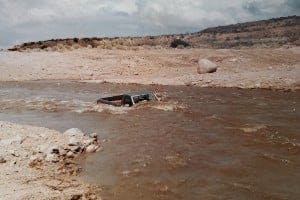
74	132
206	66
76	197
70	154
92	197
76	149
94	135
189	83
10	141
2	160
35	160
164	188
233	60
62	152
55	150
91	148
52	158
48	149
74	141
257	85
251	129
126	173
14	153
89	141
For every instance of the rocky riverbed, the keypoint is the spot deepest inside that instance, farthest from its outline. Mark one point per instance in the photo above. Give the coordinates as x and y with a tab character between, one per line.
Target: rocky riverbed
38	163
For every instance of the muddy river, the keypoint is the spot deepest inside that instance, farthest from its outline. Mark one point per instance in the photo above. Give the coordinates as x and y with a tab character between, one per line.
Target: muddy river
194	144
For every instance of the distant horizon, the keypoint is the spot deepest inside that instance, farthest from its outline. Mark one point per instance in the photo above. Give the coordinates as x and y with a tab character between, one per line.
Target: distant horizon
132	36
39	20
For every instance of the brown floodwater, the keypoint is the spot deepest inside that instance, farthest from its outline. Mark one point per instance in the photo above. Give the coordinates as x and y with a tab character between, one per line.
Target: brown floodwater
197	143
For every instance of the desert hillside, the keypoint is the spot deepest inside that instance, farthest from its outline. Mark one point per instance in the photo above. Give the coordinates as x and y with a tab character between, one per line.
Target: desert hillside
270	33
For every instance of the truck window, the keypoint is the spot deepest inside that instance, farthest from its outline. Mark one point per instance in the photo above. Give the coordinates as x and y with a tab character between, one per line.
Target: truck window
127	100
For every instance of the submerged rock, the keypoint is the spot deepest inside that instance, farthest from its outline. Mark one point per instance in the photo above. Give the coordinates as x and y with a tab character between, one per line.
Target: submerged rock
94	135
91	148
206	66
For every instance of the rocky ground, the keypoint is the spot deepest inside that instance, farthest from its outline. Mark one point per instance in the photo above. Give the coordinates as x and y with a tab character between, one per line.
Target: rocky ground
272	33
38	163
274	68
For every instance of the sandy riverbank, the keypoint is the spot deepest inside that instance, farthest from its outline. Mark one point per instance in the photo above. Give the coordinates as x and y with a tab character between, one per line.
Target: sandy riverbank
26	172
246	68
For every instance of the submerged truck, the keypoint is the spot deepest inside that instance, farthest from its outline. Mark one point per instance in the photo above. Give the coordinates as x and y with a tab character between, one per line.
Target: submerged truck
128	99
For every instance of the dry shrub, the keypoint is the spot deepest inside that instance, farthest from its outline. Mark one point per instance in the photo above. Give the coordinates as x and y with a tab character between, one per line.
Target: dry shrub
135	48
76	46
120	47
108	46
55	48
177	42
100	46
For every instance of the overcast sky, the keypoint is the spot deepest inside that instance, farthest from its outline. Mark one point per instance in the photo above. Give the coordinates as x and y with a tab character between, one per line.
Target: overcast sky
32	20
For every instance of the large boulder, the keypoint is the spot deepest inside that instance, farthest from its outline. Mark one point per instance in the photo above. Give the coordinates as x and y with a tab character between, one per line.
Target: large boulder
206	66
74	132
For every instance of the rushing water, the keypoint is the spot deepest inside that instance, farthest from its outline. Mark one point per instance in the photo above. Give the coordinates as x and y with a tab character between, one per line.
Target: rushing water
194	144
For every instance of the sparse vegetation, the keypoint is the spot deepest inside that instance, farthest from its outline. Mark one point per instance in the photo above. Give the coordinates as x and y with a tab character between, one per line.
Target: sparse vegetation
265	32
178	42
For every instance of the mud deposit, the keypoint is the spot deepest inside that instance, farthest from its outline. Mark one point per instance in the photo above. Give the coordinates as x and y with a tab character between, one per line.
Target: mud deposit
194	144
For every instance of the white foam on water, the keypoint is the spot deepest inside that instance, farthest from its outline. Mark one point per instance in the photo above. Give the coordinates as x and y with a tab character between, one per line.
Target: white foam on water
53	104
168	106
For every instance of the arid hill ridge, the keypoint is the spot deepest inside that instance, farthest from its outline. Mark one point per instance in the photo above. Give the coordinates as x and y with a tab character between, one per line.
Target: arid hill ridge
270	33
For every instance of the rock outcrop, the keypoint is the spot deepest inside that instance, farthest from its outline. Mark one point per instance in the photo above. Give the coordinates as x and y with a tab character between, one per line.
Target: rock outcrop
74	144
37	163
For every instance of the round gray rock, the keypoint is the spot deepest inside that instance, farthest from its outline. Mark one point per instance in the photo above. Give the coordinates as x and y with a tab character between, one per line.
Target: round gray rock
206	66
74	132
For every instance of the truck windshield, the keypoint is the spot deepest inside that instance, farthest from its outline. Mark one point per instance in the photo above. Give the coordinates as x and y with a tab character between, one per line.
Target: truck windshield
127	100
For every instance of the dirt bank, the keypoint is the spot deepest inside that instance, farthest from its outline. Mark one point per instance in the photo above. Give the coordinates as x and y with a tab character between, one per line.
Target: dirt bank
27	173
246	68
